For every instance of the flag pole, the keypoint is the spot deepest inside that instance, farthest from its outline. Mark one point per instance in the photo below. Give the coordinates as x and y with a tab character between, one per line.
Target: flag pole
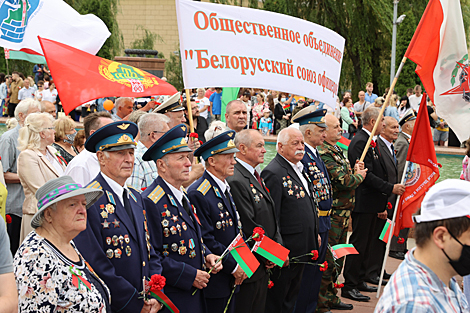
383	109
392	226
190	112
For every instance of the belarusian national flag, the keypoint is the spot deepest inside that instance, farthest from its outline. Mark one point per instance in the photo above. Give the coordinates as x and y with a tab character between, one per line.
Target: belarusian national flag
421	173
343	143
343	249
26	55
162	298
242	254
385	234
23	21
94	77
271	250
439	48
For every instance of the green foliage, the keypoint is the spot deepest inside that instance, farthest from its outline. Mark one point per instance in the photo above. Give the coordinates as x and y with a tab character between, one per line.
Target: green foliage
174	70
145	40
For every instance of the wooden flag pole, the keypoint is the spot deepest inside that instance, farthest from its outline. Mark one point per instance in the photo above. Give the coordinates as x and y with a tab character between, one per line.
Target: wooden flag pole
383	109
392	226
190	112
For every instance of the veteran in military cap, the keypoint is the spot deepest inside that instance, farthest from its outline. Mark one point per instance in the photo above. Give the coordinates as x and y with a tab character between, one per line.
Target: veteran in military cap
172	108
219	217
174	223
313	128
116	238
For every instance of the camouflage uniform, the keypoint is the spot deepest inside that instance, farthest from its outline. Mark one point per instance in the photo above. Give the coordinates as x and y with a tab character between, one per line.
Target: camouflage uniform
344	183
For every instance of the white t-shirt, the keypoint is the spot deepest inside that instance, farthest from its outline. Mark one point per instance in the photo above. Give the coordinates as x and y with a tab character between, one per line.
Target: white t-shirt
415	101
48	95
201	103
26	93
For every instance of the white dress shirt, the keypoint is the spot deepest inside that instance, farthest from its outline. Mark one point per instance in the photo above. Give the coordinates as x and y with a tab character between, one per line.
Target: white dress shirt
83	168
118	189
298	168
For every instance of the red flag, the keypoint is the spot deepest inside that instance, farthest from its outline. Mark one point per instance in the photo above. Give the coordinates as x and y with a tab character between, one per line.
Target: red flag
242	254
81	77
422	171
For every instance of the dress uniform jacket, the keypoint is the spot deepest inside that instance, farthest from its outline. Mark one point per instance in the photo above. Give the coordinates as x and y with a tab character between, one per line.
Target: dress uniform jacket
392	171
296	211
116	248
401	149
219	226
177	236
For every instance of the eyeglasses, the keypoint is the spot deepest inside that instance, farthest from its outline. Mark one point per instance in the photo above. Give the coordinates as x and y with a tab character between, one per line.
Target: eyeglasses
49	127
156	131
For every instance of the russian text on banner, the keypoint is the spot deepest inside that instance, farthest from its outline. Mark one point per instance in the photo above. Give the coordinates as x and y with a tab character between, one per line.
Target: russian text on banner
21	22
94	77
271	250
242	254
439	48
343	249
421	173
385	234
298	56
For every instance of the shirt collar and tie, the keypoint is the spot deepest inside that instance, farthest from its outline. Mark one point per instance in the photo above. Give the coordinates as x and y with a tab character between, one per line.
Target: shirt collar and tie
298	168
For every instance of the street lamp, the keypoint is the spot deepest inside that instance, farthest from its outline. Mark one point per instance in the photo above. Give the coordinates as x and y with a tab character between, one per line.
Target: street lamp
396	21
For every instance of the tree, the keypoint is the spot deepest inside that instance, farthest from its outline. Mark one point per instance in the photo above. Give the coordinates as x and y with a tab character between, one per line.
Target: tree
174	70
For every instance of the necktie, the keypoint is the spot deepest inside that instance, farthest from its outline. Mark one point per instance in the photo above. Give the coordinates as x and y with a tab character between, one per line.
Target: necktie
258	178
127	205
186	206
227	195
393	153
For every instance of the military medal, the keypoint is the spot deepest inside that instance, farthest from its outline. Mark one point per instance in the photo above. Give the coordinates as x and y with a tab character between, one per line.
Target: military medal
284	184
297	195
117	253
296	187
290	192
302	193
226	213
116	223
221	214
230	222
182	249
109	253
174	247
173	230
165	223
126	239
105	224
185	227
192	253
253	190
166	232
256	198
218	225
174	218
121	240
115	240
109	208
110	197
217	193
165	253
104	214
108	240
172	200
179	228
223	224
220	205
128	251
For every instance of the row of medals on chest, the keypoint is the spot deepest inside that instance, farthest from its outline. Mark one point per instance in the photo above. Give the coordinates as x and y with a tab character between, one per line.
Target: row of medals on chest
173	230
115	240
287	183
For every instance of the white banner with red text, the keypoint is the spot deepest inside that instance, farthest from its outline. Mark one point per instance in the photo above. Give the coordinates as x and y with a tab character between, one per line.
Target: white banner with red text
230	46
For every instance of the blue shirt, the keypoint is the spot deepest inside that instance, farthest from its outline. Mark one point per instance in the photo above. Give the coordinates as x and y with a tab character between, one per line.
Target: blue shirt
371	98
216	99
392	111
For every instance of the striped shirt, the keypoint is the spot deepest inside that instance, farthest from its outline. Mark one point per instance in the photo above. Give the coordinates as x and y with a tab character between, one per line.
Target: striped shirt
415	288
145	172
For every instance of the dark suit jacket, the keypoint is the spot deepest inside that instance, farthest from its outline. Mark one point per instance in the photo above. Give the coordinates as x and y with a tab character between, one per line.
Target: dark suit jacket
179	265
297	216
392	171
372	195
401	149
256	209
219	226
310	161
124	274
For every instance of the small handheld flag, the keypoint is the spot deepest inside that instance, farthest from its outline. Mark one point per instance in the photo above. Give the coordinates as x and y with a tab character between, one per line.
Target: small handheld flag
242	254
271	250
386	231
343	249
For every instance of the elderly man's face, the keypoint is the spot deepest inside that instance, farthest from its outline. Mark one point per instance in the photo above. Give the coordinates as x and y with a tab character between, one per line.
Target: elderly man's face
236	118
333	129
316	135
255	152
391	129
174	167
117	165
294	150
26	83
223	164
50	108
70	215
362	95
126	109
176	118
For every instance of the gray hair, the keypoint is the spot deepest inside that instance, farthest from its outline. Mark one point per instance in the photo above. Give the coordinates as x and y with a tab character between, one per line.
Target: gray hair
152	122
283	137
29	134
229	105
42	219
304	128
245	137
369	114
215	128
135	116
120	102
25	105
199	89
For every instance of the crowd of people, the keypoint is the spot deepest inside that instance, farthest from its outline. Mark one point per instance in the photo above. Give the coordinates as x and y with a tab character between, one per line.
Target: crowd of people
93	214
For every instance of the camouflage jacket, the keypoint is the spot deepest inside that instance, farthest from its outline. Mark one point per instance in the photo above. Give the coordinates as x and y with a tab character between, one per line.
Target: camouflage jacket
343	181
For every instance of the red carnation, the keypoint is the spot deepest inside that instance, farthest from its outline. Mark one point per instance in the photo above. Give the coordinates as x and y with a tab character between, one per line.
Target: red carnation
323	266
373	144
439	164
200	142
258	234
338	286
157	282
314	254
143	188
401	240
270	284
8	218
194	135
389	206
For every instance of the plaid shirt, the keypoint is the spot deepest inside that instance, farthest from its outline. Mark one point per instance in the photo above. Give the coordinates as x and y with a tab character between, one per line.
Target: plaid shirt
415	288
145	172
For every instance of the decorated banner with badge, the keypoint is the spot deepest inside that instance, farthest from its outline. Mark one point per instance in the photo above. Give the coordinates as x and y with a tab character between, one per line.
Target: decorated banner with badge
81	77
299	57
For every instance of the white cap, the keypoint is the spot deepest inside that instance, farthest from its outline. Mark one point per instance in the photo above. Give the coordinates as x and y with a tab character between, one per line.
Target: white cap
447	199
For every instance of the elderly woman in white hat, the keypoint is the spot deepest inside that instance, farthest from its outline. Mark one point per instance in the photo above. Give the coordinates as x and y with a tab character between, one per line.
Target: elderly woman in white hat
50	273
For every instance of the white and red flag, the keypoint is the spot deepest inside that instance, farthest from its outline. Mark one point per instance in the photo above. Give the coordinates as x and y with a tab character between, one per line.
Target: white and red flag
439	48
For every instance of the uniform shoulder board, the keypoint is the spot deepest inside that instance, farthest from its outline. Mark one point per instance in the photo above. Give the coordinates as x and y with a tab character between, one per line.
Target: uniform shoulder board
156	194
132	187
95	185
204	187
